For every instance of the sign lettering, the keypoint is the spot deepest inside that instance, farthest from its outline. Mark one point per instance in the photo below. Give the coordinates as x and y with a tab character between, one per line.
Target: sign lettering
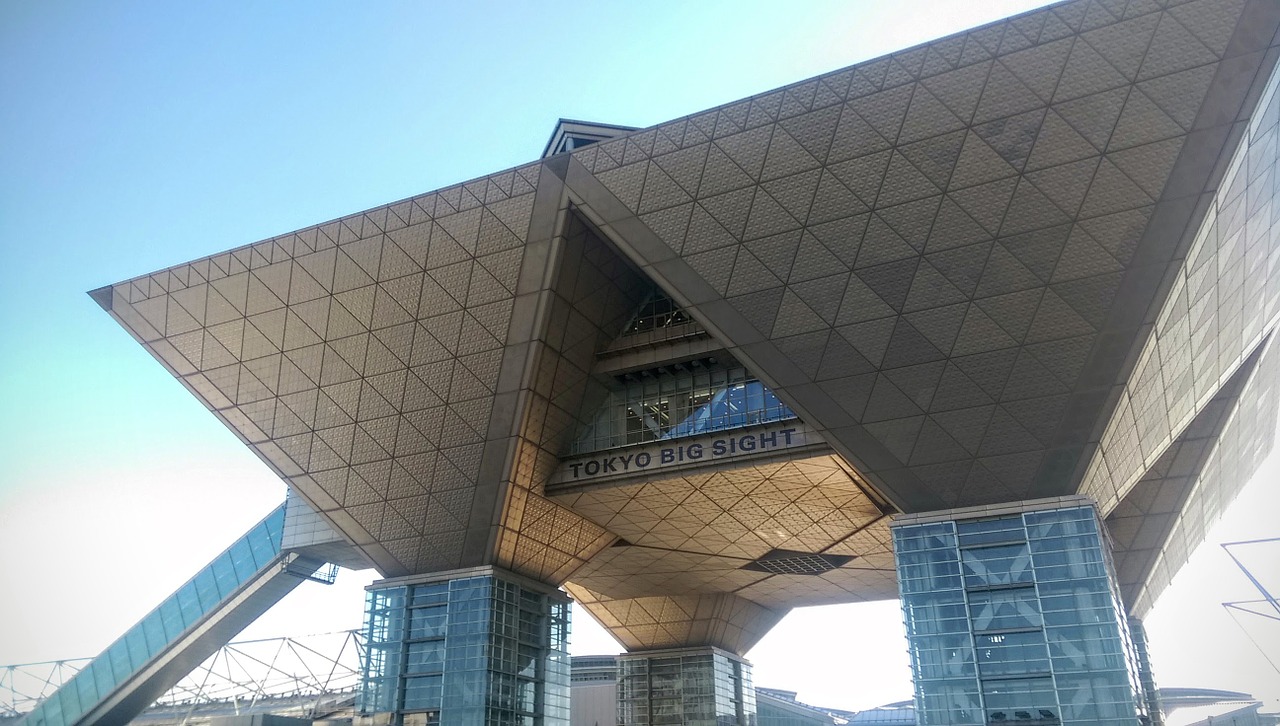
663	454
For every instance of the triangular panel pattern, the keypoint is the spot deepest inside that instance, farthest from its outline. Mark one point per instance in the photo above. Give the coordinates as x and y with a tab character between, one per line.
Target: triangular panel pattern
696	533
1245	441
358	357
723	621
1223	300
1140	525
593	298
988	203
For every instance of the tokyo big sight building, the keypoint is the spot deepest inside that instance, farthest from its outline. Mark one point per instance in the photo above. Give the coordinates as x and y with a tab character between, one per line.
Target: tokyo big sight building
985	325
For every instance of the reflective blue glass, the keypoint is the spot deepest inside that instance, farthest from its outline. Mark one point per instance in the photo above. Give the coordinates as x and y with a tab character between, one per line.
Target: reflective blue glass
241	554
1019	699
953	702
434	594
51	710
153	631
944	656
136	644
1009	653
427	623
471	650
102	674
69	700
1005	609
697	688
990	531
423	692
118	655
206	589
1012	618
171	617
675	405
189	603
739	405
86	689
997	565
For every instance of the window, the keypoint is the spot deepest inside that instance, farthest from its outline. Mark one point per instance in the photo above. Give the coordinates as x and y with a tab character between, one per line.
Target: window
674	405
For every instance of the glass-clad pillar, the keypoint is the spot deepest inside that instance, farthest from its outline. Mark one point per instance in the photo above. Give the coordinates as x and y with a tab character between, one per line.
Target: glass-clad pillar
1150	693
1013	617
702	686
478	647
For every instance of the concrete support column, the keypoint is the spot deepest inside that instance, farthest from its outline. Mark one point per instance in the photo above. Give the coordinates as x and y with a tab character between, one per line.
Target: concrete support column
1014	618
477	647
701	686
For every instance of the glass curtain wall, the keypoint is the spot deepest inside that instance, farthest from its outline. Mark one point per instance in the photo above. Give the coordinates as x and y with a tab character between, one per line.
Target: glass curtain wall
1150	693
474	651
1016	621
675	405
703	687
658	313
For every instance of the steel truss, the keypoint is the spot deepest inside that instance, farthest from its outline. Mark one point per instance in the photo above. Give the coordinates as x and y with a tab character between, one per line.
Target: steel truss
1267	607
307	676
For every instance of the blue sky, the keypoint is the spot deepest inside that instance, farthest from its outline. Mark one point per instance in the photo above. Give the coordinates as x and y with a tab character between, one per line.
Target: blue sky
136	135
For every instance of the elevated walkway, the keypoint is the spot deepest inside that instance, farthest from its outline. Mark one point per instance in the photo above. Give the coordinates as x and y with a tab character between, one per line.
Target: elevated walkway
221	599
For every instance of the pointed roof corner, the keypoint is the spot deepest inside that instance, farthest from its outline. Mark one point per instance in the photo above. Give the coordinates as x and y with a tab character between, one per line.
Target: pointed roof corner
102	296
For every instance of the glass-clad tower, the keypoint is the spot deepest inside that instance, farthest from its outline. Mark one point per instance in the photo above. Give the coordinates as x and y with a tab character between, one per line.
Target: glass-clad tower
1013	617
478	647
685	687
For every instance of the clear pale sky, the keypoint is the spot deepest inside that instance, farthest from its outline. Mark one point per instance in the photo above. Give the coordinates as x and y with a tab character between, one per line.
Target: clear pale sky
134	136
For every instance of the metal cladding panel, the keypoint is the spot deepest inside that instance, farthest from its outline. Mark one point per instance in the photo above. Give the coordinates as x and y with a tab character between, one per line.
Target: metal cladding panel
1141	524
697	533
1223	302
1182	421
359	358
591	297
1246	438
946	259
724	621
999	266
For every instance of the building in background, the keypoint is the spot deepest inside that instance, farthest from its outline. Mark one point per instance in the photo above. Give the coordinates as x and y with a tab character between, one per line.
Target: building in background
596	700
691	373
1208	706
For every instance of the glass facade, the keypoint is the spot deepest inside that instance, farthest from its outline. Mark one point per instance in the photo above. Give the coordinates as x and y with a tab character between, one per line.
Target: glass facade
1150	694
180	611
1016	620
696	687
471	651
674	405
658	313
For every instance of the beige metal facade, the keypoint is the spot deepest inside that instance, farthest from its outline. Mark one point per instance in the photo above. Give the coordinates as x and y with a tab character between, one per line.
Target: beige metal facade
1033	259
